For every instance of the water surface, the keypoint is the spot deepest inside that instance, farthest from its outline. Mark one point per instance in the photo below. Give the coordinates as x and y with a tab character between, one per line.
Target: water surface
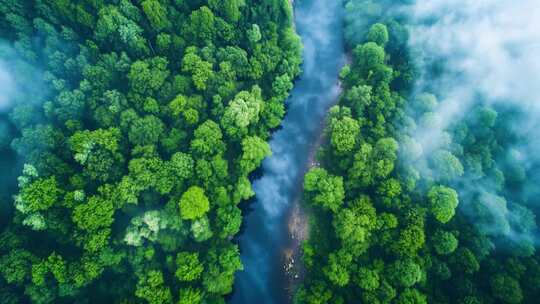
320	25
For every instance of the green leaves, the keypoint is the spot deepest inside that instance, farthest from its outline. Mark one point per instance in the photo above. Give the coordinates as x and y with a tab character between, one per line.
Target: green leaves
378	33
190	296
200	229
367	279
506	289
146	131
373	163
113	27
222	263
145	104
405	273
151	287
201	71
188	267
446	166
444	242
242	112
147	76
201	27
207	140
94	214
156	14
324	189
228	221
443	202
254	150
353	226
193	203
39	195
97	151
337	269
16	266
345	132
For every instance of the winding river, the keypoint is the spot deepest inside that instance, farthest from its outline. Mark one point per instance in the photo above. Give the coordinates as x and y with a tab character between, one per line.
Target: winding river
265	236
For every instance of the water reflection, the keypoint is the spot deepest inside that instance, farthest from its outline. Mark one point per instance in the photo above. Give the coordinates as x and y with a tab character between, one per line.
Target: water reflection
319	23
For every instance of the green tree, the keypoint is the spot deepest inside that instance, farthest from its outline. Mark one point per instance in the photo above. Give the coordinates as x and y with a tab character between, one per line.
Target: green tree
146	131
443	201
411	296
367	279
404	273
254	150
229	220
207	140
358	98
94	214
506	288
353	225
254	34
373	163
151	287
113	27
156	14
229	9
201	27
39	195
345	132
223	263
242	112
190	296
200	229
147	76
193	203
444	242
324	189
98	151
378	33
16	266
337	269
463	260
201	71
188	266
446	166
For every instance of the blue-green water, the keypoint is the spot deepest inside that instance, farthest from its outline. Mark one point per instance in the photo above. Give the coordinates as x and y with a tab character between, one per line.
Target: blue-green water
264	237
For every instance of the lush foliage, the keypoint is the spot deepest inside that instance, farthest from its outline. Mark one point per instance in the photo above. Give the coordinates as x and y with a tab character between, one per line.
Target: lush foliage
139	143
398	220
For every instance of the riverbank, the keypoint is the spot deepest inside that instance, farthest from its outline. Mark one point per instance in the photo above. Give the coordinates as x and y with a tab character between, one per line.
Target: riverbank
298	218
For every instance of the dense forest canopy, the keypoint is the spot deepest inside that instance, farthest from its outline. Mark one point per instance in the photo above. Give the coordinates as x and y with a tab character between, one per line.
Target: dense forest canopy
130	129
421	196
133	126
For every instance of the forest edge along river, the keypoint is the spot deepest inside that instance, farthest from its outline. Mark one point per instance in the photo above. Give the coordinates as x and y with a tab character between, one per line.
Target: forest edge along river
274	223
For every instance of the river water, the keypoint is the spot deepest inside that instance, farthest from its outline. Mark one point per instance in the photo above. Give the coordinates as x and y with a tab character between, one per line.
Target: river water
265	235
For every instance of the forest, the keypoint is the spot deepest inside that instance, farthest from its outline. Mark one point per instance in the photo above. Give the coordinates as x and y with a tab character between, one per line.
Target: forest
131	132
133	129
400	215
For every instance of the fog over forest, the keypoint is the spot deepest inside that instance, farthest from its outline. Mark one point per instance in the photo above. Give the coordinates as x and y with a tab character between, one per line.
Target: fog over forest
269	151
481	53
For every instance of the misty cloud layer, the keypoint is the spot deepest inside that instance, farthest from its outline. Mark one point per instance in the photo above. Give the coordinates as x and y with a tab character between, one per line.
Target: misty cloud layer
20	81
6	86
481	52
491	47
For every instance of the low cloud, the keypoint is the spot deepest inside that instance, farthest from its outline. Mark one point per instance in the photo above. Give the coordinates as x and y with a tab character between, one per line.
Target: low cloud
481	53
7	87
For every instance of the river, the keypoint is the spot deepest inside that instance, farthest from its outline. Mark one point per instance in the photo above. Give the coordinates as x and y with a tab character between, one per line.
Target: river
265	236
